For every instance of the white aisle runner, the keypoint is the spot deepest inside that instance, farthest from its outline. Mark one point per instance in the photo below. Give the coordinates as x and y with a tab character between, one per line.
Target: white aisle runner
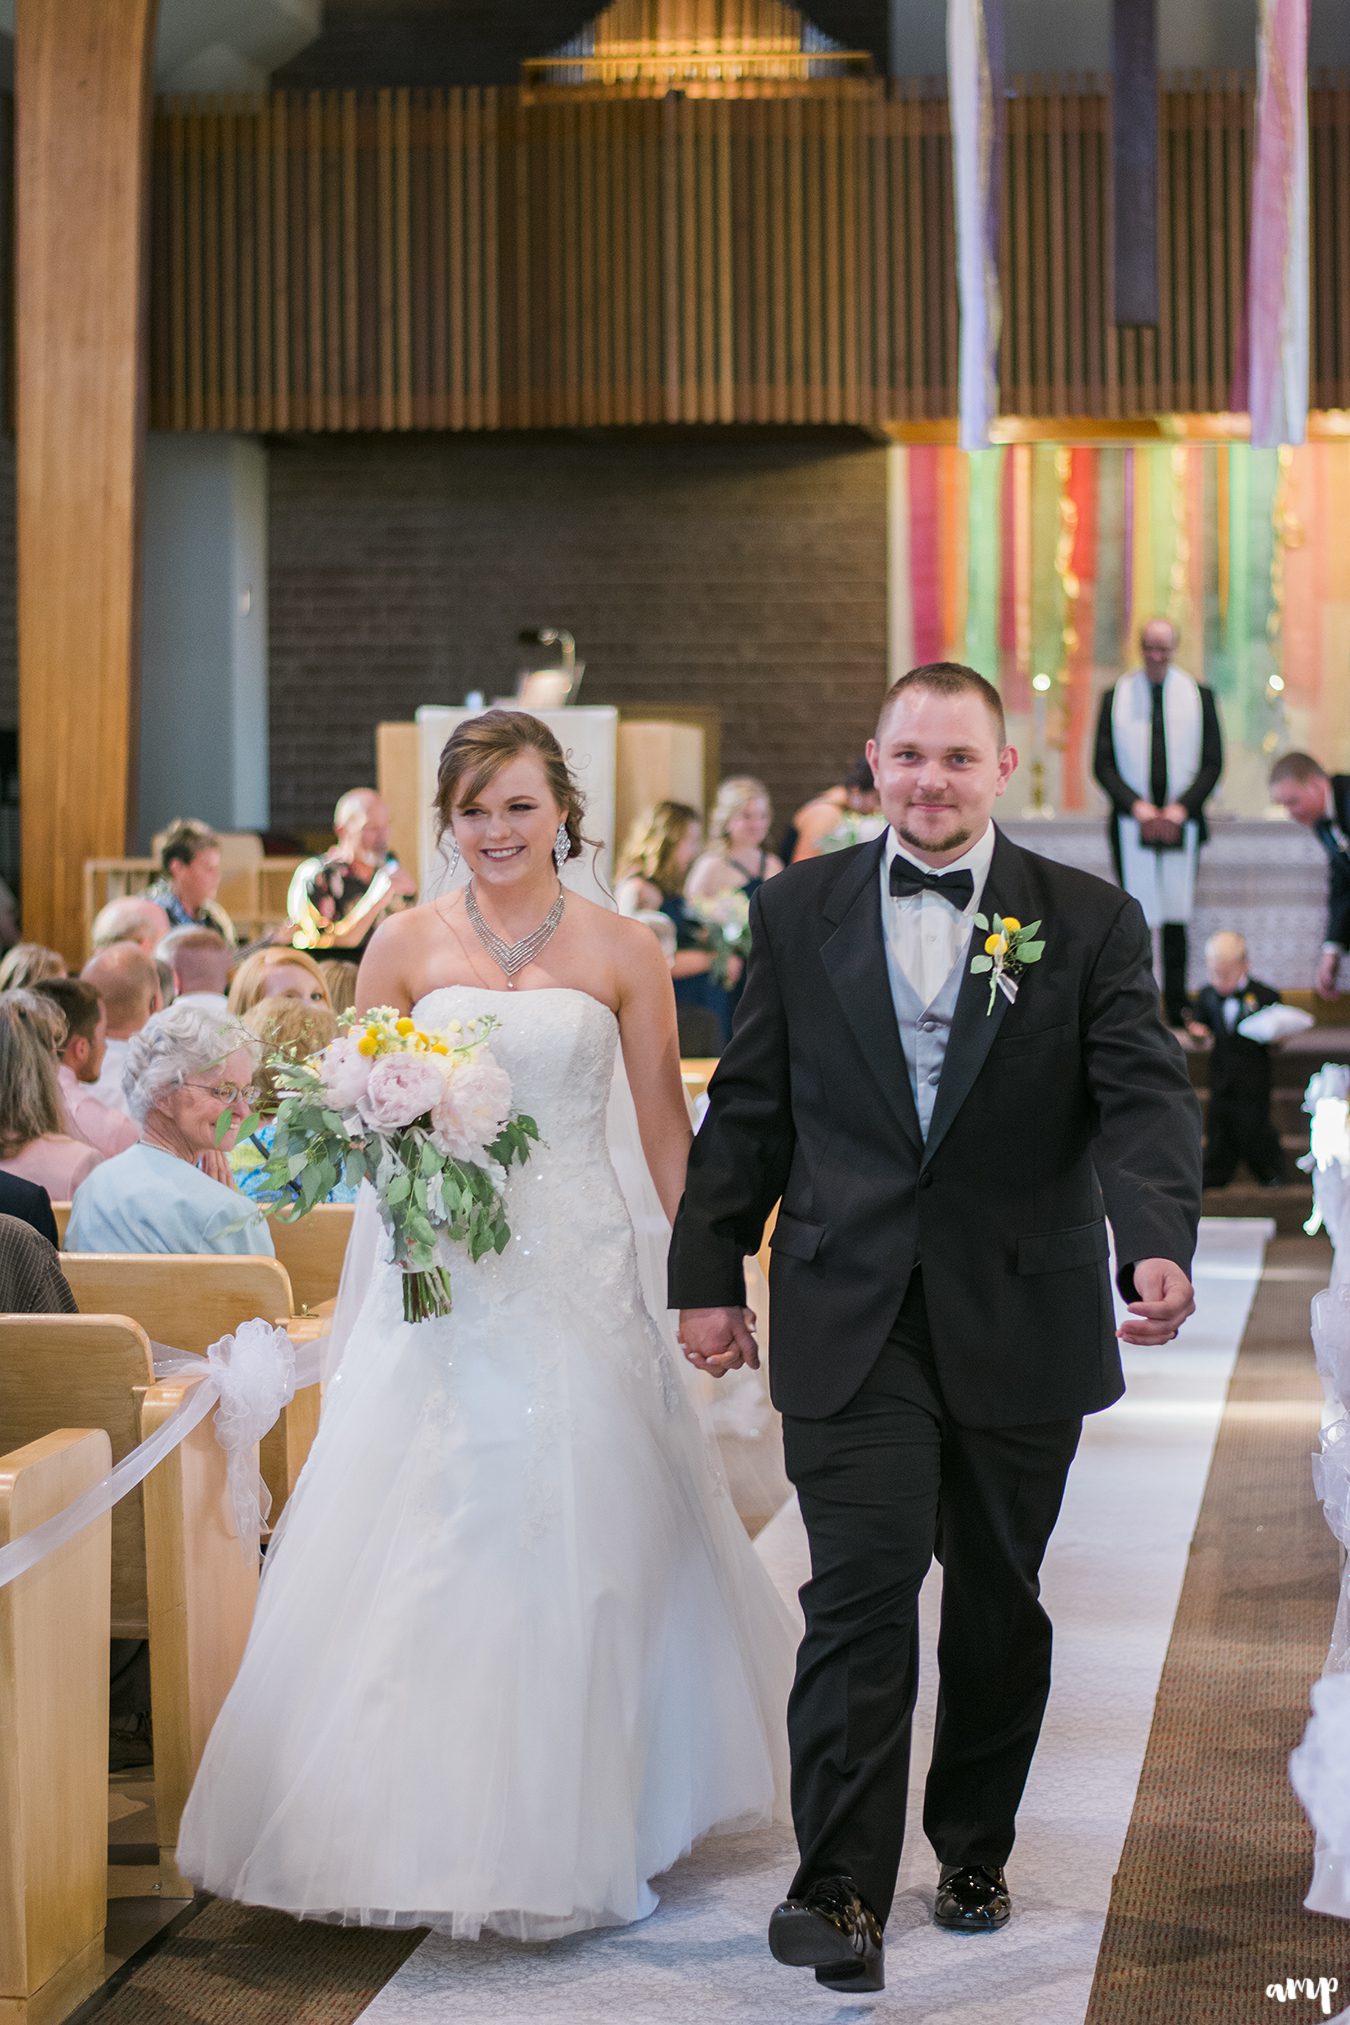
1112	1580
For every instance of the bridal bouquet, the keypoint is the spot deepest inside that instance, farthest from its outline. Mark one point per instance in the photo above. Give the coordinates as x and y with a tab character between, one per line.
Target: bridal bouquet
725	922
424	1115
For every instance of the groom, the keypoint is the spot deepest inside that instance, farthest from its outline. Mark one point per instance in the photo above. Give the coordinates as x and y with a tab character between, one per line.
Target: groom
945	1115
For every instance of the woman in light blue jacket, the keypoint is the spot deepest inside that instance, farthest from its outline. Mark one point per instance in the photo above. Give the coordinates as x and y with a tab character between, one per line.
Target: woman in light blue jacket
172	1191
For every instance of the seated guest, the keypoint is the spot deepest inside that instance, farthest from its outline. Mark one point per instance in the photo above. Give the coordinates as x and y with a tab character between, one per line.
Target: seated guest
336	902
1238	1124
9	917
126	979
168	990
841	816
34	1141
737	859
131	919
289	1028
200	962
652	870
1320	802
31	1280
189	855
340	978
29	963
185	1070
79	1062
277	973
29	1204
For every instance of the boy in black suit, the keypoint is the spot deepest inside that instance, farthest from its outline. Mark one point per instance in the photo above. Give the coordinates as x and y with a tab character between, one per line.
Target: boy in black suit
1238	1125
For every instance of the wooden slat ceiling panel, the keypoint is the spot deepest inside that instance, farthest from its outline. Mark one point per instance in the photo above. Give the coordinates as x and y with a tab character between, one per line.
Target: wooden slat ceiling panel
489	258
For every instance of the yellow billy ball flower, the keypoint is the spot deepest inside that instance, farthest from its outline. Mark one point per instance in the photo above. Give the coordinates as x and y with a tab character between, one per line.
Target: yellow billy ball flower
369	1043
995	945
405	1026
1011	924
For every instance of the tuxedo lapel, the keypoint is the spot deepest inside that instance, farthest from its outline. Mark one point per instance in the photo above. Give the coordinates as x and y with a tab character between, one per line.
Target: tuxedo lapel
855	962
974	1026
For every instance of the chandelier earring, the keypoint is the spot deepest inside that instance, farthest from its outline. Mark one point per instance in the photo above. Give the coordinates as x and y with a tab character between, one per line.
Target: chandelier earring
454	855
562	849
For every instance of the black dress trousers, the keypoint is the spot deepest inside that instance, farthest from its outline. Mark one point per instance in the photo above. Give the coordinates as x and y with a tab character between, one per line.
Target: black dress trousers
884	1485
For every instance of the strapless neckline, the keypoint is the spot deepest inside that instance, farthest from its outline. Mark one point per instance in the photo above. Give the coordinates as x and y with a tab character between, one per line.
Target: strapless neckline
529	991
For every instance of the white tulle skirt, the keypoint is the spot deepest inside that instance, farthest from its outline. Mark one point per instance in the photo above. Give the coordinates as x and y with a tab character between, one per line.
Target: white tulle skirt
513	1652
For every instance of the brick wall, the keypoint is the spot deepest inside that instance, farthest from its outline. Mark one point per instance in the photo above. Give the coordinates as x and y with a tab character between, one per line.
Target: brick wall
745	571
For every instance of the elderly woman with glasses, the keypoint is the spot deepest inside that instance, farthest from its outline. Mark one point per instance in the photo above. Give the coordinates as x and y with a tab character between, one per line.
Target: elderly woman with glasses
186	1071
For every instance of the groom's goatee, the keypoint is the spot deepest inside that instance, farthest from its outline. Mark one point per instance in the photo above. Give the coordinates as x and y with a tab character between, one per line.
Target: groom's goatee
948	842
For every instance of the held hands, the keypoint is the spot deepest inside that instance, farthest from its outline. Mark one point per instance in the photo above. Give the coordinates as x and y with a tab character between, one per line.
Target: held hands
718	1340
1166	1298
217	1165
1328	970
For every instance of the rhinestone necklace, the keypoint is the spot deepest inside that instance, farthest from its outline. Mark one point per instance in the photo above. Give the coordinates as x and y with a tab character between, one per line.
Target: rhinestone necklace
510	957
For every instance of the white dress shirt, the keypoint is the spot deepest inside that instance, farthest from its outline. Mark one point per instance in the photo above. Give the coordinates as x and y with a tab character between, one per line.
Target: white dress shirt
925	934
108	1089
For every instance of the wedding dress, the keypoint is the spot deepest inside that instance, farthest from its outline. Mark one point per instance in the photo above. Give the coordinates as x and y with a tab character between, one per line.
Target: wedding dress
513	1652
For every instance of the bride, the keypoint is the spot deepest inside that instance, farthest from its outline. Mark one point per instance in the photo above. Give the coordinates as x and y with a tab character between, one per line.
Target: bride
513	1651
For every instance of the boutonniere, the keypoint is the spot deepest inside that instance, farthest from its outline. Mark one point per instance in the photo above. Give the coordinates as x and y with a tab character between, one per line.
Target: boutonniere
1008	949
1249	1002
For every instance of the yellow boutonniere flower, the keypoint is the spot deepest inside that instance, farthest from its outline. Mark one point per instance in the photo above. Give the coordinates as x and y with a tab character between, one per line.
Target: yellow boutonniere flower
1008	949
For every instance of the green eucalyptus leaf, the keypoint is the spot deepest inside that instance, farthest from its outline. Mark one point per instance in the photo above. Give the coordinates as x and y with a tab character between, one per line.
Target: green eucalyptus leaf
1030	952
979	964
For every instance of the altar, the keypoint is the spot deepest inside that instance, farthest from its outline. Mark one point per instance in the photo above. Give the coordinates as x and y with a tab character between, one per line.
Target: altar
1262	876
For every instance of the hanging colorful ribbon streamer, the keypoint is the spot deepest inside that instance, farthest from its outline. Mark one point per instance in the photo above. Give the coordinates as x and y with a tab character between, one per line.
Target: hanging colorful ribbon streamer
1277	272
975	87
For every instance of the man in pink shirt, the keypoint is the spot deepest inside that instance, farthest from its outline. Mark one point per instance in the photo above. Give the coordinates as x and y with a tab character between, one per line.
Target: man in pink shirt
108	1130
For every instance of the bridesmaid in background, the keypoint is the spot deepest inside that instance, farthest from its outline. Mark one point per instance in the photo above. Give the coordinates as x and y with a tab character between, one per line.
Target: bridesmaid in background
737	859
652	872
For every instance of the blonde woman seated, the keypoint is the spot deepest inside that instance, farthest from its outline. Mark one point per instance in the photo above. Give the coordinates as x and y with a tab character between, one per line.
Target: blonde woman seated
737	859
280	1026
29	963
170	1192
35	1140
278	972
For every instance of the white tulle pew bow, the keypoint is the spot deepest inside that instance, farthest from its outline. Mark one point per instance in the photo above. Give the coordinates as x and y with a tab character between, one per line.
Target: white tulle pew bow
250	1377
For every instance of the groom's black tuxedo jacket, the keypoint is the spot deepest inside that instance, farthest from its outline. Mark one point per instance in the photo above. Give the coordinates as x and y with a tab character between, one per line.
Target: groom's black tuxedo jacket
1074	1093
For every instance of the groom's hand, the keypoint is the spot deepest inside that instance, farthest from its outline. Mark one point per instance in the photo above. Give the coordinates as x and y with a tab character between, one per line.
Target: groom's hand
1166	1298
718	1340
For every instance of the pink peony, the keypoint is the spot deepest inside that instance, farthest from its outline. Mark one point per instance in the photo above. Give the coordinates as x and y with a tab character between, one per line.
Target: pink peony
473	1107
401	1089
345	1072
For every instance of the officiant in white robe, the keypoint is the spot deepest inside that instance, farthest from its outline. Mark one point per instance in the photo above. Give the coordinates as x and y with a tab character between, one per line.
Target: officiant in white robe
1159	755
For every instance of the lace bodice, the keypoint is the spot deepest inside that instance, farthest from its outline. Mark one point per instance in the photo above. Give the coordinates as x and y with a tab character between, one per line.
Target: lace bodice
558	1046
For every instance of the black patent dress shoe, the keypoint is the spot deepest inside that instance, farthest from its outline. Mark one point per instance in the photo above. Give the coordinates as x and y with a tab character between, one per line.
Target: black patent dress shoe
833	1931
972	1898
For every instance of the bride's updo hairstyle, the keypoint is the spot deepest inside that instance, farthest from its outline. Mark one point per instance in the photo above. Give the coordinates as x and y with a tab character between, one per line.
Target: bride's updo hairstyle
478	749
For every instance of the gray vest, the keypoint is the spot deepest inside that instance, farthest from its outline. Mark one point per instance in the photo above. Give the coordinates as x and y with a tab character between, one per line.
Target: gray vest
924	1033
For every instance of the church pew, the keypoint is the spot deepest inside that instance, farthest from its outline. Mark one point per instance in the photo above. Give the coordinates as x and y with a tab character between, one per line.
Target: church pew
85	1371
188	1301
202	1593
53	1737
174	1546
61	1212
312	1250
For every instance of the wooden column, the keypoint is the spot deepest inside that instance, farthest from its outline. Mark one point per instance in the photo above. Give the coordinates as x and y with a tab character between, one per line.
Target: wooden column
82	117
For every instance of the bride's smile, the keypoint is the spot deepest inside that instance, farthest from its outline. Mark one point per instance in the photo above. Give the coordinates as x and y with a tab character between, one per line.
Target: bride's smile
505	829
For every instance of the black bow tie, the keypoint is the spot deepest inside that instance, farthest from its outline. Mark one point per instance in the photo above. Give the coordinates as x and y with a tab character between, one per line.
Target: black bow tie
908	879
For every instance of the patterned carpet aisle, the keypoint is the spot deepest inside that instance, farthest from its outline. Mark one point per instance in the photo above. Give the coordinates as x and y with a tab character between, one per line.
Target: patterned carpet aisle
1112	1583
